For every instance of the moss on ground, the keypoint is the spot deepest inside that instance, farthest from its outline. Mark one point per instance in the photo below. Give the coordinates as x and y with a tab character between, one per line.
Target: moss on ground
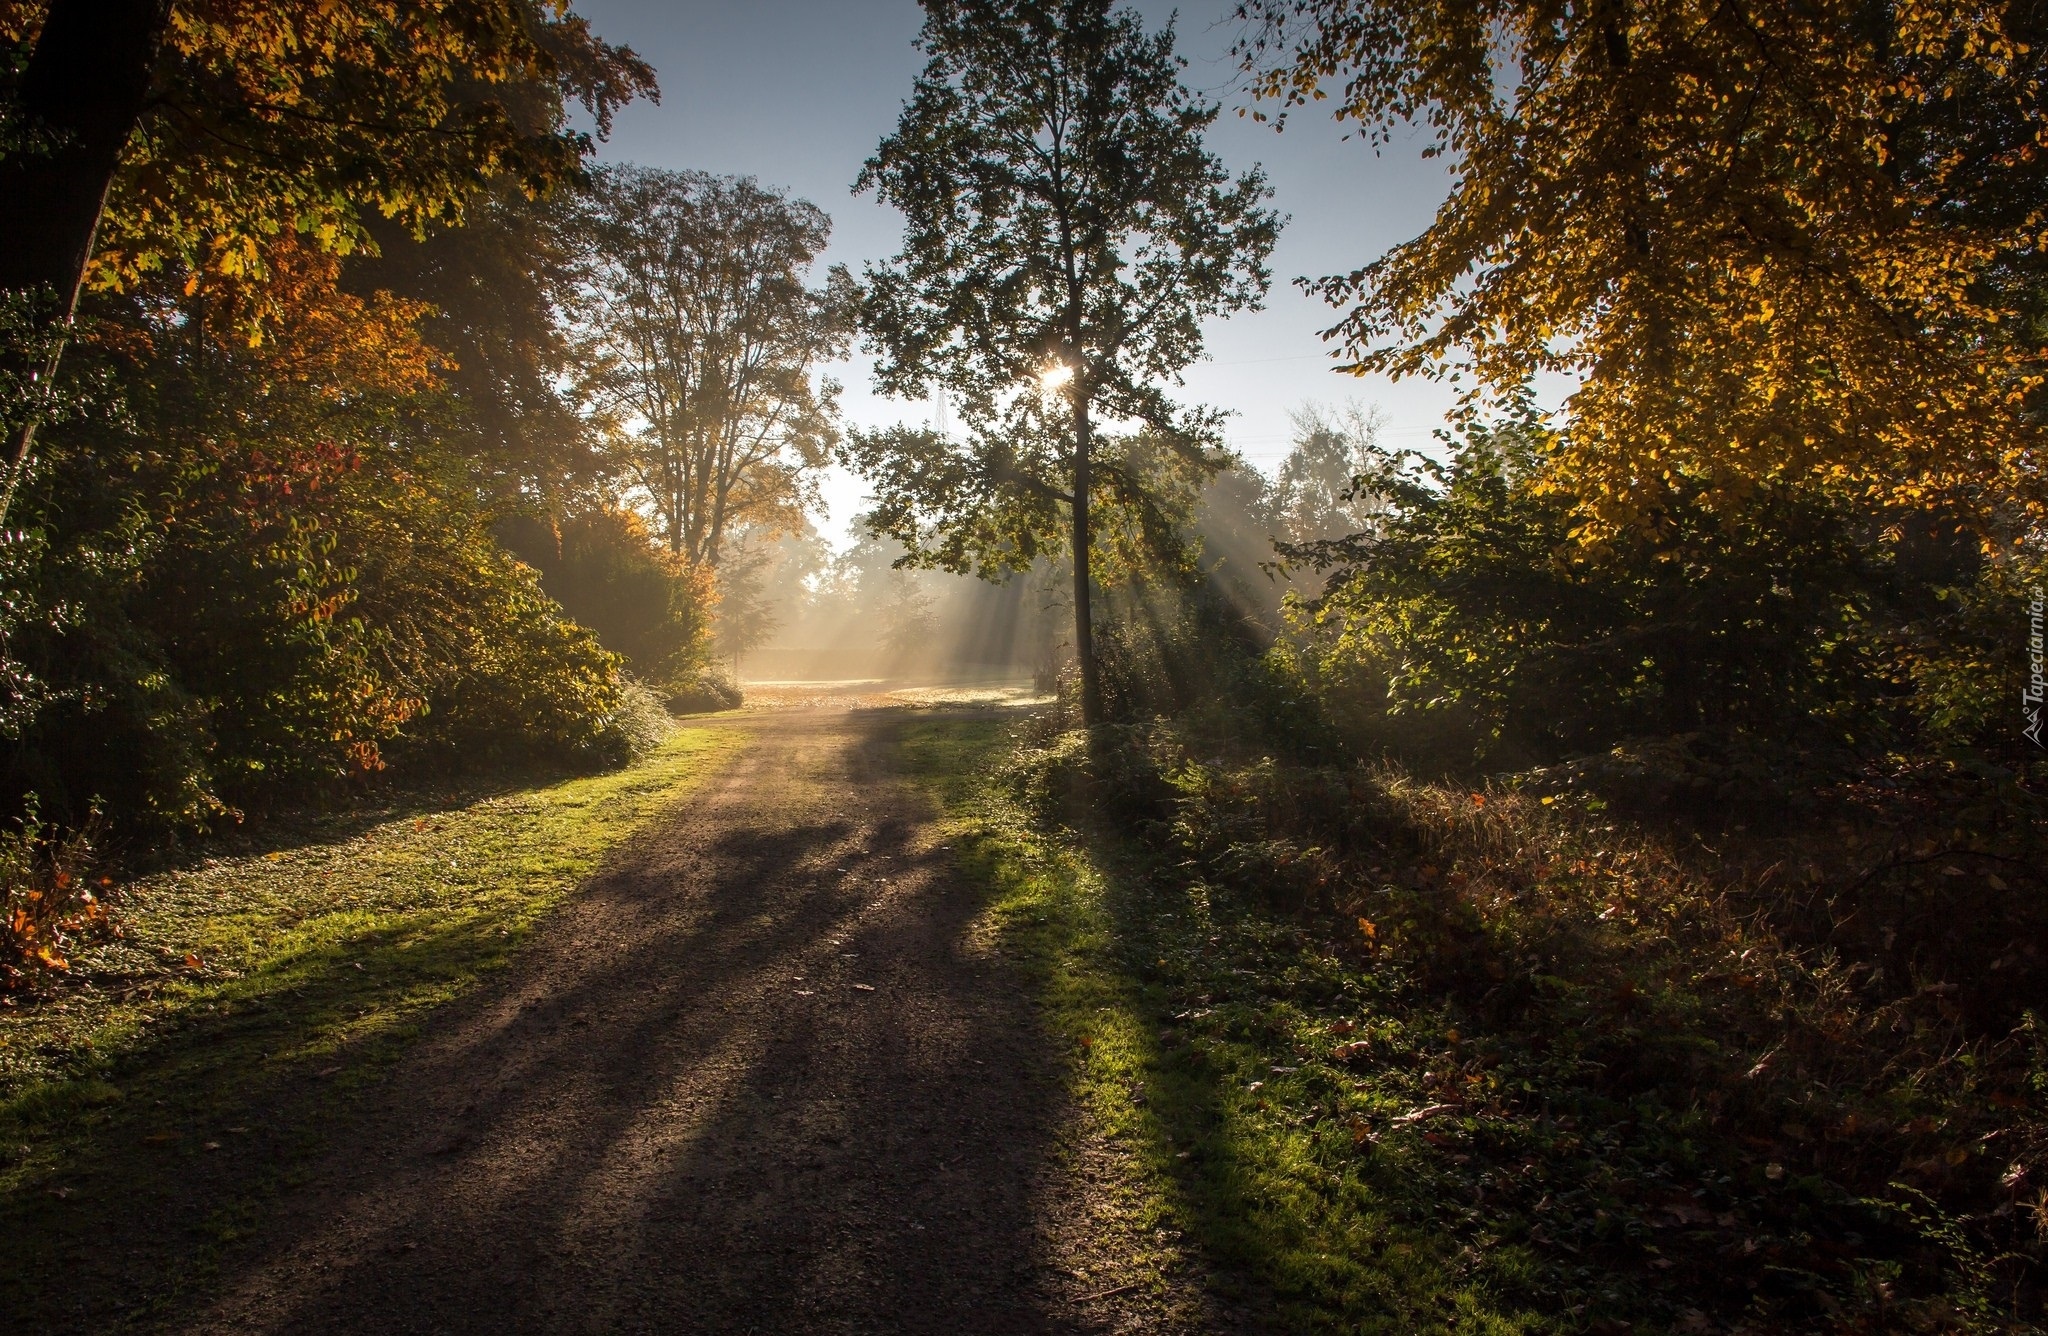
189	1065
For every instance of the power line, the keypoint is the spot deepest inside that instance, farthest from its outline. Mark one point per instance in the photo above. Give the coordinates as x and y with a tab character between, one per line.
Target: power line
1262	361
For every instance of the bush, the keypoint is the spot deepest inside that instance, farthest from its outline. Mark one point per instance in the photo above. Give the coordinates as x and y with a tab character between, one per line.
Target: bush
647	605
46	898
709	690
532	685
291	621
265	576
642	721
1472	623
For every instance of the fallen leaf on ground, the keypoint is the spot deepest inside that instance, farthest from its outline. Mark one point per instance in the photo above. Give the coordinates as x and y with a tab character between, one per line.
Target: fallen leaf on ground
1688	1213
1426	1111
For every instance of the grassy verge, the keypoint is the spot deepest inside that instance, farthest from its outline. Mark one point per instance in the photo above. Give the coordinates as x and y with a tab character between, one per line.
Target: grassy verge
1194	1024
186	1066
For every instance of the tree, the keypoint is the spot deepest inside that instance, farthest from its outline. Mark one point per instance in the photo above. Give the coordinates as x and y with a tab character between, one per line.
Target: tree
144	133
68	118
495	286
700	342
647	605
1464	618
1316	493
908	620
1065	229
747	615
1774	240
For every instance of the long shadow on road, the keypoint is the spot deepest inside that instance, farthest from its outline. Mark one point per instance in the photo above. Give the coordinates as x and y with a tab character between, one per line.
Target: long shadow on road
754	1078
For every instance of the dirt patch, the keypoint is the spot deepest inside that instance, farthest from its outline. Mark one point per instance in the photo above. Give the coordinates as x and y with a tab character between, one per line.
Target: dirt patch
752	1079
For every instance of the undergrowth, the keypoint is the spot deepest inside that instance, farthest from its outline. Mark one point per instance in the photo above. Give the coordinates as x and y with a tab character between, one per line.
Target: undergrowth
50	898
1291	1220
1424	1056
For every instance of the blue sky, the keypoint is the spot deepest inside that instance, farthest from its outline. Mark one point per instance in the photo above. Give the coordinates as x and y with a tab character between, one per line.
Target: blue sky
798	93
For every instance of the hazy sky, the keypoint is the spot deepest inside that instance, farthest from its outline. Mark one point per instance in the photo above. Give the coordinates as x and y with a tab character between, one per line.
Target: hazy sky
798	92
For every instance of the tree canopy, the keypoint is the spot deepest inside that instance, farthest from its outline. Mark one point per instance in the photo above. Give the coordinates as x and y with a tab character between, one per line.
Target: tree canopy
263	549
196	137
263	120
1773	241
493	290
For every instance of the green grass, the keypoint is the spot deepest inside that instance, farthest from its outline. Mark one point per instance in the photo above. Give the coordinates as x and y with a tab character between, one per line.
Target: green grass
191	1063
1289	1177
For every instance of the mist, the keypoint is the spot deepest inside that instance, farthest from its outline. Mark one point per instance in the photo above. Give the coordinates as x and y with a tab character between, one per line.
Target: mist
815	616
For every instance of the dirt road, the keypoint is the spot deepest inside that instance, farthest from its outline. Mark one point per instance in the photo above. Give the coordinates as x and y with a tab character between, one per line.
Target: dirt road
758	1077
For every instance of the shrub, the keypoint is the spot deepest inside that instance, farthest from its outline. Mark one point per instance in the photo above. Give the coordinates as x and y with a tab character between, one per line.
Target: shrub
647	605
642	721
709	690
532	684
1471	622
46	898
266	576
288	621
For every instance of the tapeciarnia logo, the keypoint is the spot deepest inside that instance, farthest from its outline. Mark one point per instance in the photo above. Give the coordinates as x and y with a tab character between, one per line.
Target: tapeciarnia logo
2037	682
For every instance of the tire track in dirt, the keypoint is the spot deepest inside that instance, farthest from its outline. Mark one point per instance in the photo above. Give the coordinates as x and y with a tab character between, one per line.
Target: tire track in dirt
753	1078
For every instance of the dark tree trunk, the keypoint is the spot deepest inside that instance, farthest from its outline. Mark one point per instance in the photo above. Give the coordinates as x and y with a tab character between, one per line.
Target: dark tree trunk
1084	620
84	89
81	95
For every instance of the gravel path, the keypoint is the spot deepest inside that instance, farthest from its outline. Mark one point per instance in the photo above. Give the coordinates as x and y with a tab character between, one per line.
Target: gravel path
758	1077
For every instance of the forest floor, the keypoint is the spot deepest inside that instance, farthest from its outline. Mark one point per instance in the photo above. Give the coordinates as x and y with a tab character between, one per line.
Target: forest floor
775	1066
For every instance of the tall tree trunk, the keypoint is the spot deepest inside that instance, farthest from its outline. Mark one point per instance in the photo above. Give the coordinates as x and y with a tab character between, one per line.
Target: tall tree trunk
81	95
1084	620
